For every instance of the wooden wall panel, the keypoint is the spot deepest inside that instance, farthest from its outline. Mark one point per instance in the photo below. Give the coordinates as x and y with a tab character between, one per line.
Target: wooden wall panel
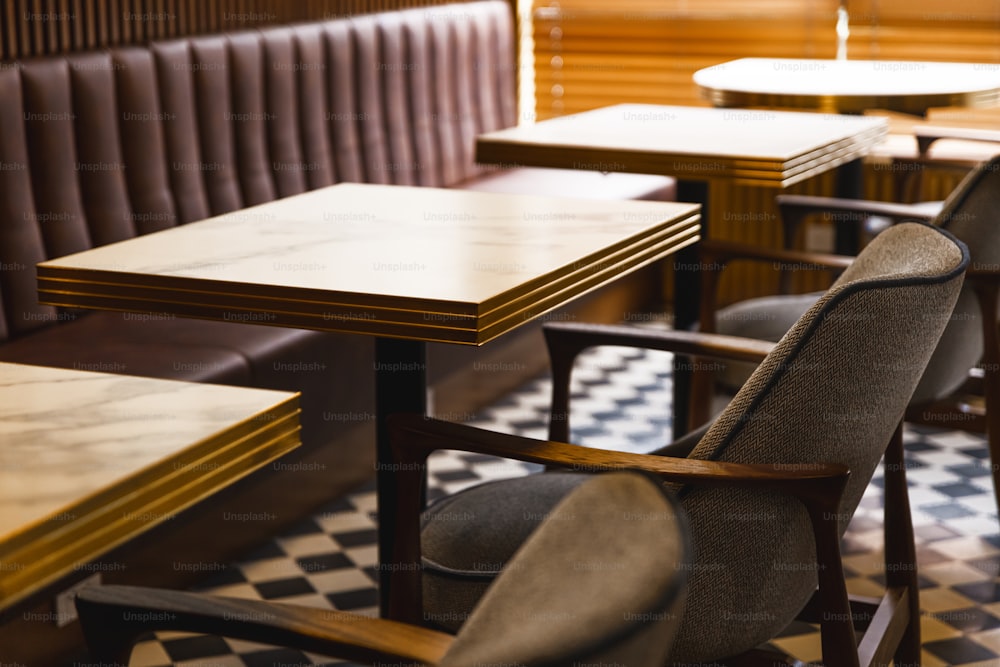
39	27
594	53
590	54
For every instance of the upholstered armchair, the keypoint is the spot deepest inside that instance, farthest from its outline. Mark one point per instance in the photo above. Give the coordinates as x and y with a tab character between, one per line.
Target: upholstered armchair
969	343
601	581
769	488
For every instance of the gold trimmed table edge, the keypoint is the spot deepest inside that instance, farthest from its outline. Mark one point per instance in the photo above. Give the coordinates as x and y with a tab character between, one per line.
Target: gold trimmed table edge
738	170
733	99
450	322
39	554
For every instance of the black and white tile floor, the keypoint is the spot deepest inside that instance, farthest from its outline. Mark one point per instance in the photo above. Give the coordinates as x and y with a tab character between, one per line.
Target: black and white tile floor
622	399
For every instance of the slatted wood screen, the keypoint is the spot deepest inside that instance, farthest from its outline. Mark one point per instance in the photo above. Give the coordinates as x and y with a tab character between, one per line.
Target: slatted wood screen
593	53
37	27
965	30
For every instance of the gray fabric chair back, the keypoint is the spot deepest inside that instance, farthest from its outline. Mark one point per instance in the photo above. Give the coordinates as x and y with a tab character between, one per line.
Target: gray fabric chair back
833	390
972	214
569	597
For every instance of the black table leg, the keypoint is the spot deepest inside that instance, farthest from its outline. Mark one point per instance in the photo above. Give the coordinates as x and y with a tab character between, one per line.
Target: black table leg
849	184
400	386
687	281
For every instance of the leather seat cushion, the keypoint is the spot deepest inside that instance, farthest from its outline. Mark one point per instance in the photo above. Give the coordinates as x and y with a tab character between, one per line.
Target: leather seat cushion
221	352
95	344
574	183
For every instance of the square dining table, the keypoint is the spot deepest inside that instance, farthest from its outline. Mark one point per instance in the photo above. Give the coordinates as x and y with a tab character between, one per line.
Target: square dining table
698	146
406	265
694	144
90	461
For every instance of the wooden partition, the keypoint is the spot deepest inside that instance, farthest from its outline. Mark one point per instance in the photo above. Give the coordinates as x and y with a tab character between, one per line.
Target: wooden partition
593	53
37	27
968	30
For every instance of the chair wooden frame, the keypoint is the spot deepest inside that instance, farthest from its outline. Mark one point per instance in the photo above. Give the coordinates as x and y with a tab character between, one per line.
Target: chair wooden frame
636	609
983	280
346	635
892	622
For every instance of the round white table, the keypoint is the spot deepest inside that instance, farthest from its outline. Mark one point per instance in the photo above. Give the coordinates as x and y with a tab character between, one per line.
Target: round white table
849	86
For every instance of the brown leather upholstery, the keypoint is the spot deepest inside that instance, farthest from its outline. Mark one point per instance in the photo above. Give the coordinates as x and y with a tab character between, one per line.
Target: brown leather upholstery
97	147
100	147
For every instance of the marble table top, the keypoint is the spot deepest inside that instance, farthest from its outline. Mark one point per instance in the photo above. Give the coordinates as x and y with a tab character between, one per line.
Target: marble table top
764	148
405	262
89	460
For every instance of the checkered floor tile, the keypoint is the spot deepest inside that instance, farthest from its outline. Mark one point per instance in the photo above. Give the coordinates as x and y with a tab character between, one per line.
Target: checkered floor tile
621	399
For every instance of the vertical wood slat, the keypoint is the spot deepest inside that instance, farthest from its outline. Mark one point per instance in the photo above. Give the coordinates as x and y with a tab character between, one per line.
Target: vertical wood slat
8	34
592	53
76	26
103	14
91	26
126	23
169	25
117	22
38	27
51	27
34	33
65	27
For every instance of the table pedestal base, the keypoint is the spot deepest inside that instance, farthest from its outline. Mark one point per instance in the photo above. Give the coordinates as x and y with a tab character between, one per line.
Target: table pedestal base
400	386
687	294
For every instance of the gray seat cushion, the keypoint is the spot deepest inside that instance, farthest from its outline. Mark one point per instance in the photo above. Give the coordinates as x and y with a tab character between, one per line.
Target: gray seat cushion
768	318
468	537
832	390
764	318
568	598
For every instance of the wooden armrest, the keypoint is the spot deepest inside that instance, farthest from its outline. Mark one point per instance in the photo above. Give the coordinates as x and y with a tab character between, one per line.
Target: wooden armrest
795	208
810	481
566	340
983	273
114	616
928	134
715	252
818	486
580	336
853	207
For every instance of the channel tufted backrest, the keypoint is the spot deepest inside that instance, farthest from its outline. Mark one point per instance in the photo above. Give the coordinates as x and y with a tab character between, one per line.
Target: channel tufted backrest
832	391
139	139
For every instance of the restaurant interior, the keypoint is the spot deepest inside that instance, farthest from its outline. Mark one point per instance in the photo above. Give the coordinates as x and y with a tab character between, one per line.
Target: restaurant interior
499	332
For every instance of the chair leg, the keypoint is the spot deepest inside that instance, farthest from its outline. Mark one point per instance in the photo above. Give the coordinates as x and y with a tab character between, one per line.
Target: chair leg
405	578
561	360
837	635
109	640
900	552
987	294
